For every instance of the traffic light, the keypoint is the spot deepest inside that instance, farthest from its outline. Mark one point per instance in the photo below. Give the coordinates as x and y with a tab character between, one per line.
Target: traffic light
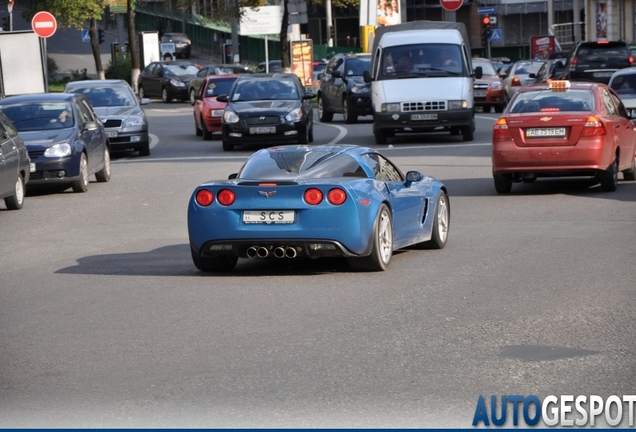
332	32
6	24
100	34
485	31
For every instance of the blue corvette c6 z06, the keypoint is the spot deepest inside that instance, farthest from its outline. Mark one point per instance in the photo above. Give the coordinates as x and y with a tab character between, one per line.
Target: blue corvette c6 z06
300	201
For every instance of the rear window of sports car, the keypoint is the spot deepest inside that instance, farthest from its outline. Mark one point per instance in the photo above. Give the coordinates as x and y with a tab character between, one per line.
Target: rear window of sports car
305	164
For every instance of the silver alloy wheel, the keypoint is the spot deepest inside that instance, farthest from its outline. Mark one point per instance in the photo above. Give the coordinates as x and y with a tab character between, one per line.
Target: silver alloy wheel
442	218
192	95
19	191
84	170
385	236
320	108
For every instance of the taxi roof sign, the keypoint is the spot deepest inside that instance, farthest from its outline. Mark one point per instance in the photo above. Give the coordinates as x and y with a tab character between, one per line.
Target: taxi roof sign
559	84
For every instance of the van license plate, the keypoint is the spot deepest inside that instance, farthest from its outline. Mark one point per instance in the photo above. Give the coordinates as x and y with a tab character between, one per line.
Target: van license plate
423	116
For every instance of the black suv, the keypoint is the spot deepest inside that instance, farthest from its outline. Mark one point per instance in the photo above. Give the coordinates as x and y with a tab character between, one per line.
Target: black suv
597	61
342	88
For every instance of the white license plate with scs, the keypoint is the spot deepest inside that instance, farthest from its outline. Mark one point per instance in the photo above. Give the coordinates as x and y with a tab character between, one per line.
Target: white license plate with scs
111	134
263	130
423	116
269	216
545	132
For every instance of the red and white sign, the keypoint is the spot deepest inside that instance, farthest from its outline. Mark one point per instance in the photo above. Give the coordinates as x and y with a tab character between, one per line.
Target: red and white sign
451	5
44	24
10	6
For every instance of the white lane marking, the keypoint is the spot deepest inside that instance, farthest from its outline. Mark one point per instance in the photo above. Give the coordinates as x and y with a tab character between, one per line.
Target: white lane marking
154	140
343	133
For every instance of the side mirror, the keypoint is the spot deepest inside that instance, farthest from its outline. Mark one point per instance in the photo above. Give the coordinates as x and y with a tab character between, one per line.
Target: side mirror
532	75
413	176
336	74
222	98
232	176
479	72
366	75
144	101
197	97
89	126
307	95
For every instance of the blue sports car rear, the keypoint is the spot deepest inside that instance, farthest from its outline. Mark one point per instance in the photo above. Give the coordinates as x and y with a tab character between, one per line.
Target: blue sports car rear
297	201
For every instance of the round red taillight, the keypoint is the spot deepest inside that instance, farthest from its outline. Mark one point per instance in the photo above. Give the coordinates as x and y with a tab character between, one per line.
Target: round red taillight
204	197
337	196
225	197
313	196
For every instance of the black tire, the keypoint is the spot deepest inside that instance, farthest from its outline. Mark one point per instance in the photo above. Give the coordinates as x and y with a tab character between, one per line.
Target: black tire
468	133
382	249
609	179
227	146
379	134
323	115
349	118
16	200
103	175
197	130
454	131
142	93
441	224
503	183
304	135
499	108
486	108
165	97
222	263
144	150
630	173
81	184
311	133
207	135
191	95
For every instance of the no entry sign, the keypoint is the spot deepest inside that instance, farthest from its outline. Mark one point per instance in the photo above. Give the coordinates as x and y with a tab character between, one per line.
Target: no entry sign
451	5
44	24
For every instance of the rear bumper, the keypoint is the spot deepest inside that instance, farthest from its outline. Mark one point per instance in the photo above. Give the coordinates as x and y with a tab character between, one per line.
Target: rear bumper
302	248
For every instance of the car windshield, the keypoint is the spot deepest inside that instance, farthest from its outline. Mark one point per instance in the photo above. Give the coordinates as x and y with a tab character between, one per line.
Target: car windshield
228	70
601	53
486	67
624	84
273	89
303	161
549	101
426	60
37	116
219	87
180	70
108	96
357	66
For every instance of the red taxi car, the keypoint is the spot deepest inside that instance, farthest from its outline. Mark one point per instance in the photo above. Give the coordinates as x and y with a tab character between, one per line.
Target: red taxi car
563	129
208	112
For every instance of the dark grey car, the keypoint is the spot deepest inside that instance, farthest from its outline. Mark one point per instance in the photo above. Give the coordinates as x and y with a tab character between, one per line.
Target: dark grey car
14	165
182	43
120	111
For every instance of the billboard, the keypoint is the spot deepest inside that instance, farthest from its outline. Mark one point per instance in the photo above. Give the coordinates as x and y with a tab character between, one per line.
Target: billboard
541	47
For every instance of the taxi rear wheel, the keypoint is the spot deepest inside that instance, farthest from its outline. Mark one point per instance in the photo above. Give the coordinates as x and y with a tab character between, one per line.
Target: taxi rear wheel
503	183
609	178
630	174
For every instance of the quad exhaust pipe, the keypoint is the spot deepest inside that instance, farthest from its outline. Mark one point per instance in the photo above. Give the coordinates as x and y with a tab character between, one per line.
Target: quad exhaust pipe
279	252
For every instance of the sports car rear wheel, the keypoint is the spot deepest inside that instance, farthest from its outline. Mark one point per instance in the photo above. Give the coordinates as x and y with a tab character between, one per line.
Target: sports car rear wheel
441	224
217	263
382	250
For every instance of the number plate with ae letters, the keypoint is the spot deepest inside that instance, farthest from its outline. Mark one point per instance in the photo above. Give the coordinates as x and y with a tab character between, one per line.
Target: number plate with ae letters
545	132
423	116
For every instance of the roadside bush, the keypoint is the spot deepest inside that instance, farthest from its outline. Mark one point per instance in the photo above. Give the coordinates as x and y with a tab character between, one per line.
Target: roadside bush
119	69
51	68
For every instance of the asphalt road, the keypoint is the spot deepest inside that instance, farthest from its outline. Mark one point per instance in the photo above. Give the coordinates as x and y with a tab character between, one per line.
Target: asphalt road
105	322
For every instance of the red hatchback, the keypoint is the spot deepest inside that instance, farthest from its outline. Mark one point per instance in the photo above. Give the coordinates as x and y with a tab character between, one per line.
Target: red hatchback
562	129
208	112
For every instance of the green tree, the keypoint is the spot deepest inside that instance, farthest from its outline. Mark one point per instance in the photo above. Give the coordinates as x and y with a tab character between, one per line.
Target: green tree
74	14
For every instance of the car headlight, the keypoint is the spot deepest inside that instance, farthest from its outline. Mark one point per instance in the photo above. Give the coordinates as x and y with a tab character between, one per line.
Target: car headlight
390	107
359	89
133	121
495	85
295	115
230	117
177	83
217	113
58	150
457	104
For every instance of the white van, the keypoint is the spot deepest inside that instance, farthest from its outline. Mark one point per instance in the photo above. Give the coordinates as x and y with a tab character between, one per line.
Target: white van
422	81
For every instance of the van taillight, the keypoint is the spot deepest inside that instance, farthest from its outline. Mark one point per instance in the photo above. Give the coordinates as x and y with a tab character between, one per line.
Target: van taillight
593	127
500	130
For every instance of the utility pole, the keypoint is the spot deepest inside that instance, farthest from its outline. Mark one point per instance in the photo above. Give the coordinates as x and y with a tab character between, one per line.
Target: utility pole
329	22
10	9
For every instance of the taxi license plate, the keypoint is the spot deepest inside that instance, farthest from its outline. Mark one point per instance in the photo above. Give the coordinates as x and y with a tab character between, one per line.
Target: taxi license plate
545	132
32	167
480	94
269	216
111	134
423	116
263	130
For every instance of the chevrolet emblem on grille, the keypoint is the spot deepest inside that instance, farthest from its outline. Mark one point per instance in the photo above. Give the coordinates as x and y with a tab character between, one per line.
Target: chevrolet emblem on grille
266	194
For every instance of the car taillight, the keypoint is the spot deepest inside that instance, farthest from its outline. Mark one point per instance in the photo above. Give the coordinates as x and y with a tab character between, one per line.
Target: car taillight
500	130
575	61
593	127
631	60
225	197
515	82
204	197
336	196
313	196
